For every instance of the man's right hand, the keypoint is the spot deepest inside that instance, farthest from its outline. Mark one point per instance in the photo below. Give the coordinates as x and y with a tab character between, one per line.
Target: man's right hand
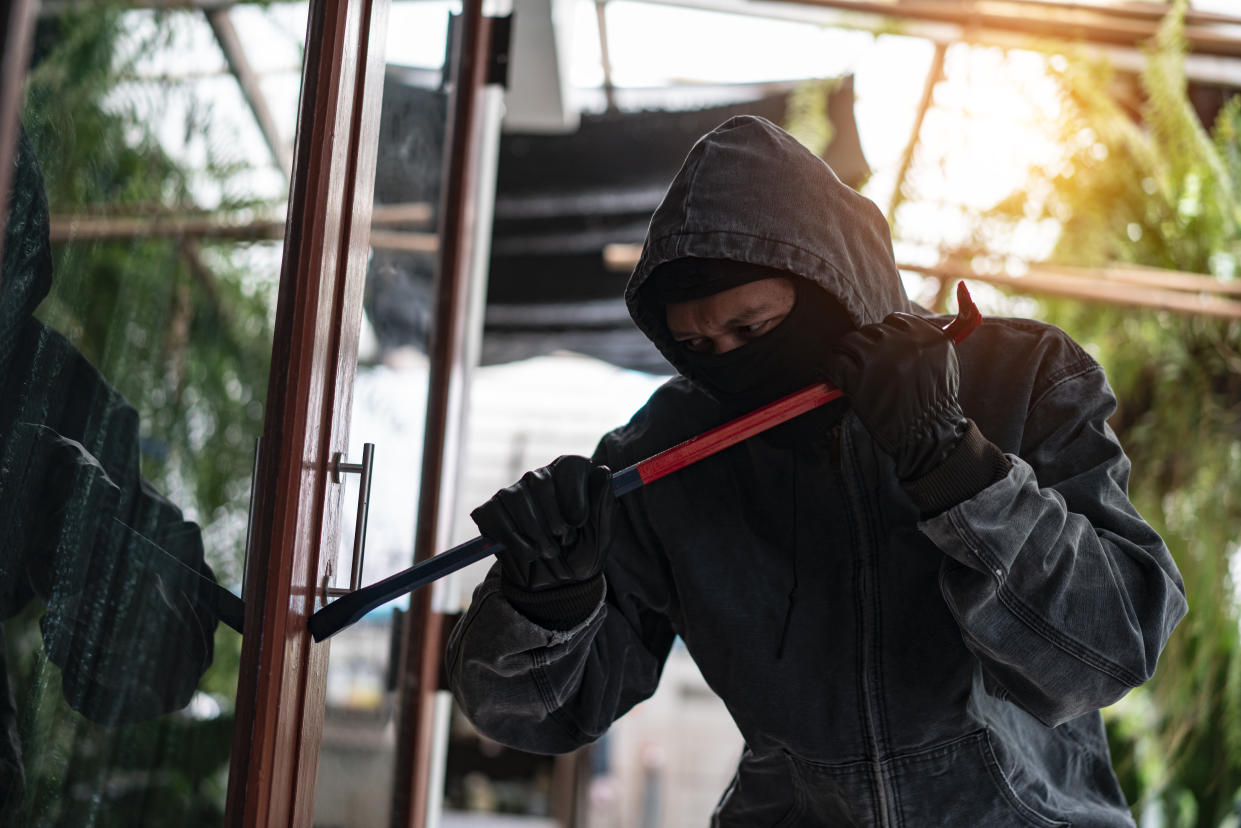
554	525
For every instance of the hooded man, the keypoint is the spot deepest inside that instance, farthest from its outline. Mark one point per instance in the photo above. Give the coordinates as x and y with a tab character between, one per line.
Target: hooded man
913	600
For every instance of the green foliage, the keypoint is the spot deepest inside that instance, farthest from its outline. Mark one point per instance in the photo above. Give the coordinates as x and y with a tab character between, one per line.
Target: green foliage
1161	191
806	117
82	773
184	333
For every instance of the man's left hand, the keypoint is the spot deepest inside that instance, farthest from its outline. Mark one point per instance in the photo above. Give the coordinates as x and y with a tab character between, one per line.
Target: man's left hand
902	377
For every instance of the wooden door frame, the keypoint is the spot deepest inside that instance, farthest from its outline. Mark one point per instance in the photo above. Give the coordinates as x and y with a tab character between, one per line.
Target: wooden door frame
281	687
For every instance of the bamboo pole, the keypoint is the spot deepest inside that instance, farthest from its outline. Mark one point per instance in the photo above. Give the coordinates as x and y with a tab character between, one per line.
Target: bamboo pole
96	224
1120	285
934	74
83	228
1050	282
1150	277
235	55
1047	20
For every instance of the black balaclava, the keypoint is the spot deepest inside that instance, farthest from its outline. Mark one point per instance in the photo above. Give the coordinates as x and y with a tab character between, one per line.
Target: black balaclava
788	357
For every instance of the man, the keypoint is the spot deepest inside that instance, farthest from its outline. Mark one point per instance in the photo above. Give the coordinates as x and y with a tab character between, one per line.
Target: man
913	600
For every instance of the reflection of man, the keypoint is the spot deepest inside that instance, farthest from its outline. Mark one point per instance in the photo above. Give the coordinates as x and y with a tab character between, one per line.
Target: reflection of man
913	601
128	594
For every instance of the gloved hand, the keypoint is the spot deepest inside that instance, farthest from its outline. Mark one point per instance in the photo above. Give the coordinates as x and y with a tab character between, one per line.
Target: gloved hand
902	376
554	525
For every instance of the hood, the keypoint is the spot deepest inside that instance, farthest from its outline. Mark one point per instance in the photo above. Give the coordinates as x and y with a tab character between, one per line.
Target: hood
749	192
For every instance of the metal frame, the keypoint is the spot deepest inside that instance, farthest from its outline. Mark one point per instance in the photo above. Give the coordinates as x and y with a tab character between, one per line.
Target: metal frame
420	662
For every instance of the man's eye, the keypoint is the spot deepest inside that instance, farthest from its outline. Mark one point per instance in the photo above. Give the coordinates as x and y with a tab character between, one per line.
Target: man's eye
755	329
697	345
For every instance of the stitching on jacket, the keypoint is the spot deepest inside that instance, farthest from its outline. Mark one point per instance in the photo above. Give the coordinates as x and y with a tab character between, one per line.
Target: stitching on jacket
858	643
1013	603
1071	646
1027	814
455	667
1069	373
691	179
1075	364
933	751
541	682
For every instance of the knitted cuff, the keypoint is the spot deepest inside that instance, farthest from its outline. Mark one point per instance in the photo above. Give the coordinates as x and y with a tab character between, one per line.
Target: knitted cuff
972	466
561	608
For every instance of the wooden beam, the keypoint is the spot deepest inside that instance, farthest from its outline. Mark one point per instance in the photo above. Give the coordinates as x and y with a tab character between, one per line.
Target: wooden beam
1119	285
97	224
235	54
83	228
605	53
1126	24
51	8
933	76
405	242
1042	282
1141	10
1043	20
1153	277
414	212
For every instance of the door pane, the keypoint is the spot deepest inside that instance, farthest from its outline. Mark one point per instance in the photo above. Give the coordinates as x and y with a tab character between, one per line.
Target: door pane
358	754
134	360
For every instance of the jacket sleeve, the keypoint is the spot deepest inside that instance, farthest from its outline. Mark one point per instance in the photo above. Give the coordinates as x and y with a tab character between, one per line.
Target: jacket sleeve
1064	593
550	691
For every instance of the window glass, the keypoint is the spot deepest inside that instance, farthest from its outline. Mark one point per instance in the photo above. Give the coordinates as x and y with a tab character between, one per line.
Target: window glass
134	354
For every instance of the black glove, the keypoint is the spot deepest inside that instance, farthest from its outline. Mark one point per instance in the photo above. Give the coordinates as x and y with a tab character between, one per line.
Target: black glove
554	525
901	377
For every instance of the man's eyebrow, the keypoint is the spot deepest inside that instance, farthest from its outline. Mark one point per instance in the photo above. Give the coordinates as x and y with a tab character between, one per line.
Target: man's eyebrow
741	318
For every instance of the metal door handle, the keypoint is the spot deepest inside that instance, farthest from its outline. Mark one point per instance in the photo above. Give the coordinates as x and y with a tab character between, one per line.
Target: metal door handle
339	467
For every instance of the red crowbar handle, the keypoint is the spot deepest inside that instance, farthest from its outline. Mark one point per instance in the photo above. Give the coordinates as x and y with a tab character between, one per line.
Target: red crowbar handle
348	609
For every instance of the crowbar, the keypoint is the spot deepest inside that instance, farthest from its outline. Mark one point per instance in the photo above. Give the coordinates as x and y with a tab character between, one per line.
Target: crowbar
348	609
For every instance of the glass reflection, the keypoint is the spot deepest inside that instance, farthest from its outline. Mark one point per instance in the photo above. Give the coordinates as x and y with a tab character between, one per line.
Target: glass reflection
135	338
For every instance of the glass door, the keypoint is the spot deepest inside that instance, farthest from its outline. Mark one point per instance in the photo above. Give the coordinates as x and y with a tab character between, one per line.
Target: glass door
358	755
193	301
138	318
296	524
425	279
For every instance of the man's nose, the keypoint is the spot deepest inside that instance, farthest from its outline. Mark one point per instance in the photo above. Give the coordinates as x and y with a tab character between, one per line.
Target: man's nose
725	342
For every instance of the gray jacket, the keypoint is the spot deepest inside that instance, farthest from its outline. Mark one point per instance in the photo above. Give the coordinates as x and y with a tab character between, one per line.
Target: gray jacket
883	670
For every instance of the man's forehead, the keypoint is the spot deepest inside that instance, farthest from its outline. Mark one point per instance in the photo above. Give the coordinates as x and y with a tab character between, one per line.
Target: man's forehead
686	279
732	305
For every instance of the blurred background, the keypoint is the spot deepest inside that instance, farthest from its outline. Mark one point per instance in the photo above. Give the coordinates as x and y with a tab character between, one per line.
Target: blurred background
1077	162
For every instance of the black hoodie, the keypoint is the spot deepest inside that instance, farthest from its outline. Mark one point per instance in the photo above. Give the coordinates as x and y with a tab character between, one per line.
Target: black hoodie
883	670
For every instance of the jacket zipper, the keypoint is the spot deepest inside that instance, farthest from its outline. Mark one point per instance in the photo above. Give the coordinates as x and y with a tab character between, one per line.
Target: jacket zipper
843	450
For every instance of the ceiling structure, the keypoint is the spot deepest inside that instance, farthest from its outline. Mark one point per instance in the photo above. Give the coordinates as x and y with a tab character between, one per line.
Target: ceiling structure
561	201
604	217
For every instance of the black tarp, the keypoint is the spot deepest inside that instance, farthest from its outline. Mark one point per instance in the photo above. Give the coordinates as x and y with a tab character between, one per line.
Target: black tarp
560	200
